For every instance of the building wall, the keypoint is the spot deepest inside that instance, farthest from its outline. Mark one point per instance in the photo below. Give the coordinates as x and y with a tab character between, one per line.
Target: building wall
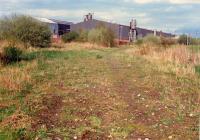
63	28
124	32
53	27
91	24
121	31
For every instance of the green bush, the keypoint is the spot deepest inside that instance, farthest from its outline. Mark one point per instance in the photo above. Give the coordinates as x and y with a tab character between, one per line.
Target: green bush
26	30
10	54
69	37
187	40
102	36
151	39
83	36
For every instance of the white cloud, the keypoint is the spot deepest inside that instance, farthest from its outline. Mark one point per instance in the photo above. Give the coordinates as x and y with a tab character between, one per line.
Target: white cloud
147	1
184	1
164	1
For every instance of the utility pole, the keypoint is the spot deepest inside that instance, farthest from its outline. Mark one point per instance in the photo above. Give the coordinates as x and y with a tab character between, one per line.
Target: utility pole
197	38
187	39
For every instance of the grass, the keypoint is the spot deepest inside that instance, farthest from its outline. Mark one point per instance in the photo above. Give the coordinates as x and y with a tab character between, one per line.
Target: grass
195	49
174	59
97	93
7	111
197	69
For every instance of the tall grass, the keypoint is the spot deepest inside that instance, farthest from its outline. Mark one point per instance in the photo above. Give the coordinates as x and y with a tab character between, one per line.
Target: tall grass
14	78
180	55
178	59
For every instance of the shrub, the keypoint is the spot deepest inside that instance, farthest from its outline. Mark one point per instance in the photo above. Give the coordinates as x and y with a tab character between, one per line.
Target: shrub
69	37
187	40
153	40
10	54
183	39
26	30
102	36
167	41
94	36
139	42
83	36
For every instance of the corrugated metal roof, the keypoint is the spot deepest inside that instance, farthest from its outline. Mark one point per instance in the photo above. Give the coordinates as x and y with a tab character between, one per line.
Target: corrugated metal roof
62	22
46	20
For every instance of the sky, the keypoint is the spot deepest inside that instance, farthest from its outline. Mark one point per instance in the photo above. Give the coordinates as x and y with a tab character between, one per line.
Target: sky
165	15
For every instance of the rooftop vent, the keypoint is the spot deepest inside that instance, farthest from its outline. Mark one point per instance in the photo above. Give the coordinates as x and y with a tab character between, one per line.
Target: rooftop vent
88	17
133	24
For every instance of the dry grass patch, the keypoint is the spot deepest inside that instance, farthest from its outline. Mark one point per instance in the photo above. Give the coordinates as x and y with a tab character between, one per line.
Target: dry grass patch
12	78
179	55
16	121
176	59
74	46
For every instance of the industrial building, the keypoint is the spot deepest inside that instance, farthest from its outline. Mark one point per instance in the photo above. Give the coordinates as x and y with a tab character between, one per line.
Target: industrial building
123	33
57	27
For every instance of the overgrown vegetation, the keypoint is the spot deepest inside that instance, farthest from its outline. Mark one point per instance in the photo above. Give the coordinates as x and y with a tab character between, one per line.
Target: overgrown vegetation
152	40
102	36
61	94
167	41
188	40
10	54
69	37
26	30
157	41
83	36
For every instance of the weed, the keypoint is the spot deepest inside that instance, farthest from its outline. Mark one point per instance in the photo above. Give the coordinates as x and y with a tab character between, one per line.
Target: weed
122	131
95	121
10	55
42	133
99	56
5	112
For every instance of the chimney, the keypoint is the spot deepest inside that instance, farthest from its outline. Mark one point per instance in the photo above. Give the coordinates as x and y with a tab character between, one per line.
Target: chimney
88	17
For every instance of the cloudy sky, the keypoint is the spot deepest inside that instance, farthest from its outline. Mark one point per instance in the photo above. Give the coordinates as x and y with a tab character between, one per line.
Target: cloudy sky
167	15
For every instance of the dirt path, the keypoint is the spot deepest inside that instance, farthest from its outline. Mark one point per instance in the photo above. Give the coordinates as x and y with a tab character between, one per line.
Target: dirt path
48	116
152	117
128	92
